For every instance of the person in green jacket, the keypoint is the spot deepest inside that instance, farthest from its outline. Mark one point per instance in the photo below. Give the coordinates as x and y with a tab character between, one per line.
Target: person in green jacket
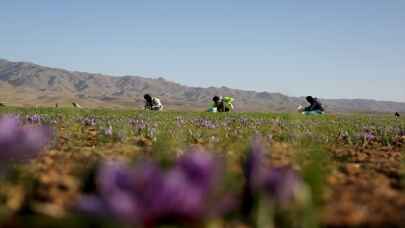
222	104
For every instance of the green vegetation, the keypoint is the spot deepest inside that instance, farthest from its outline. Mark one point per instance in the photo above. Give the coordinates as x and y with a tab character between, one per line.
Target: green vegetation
348	162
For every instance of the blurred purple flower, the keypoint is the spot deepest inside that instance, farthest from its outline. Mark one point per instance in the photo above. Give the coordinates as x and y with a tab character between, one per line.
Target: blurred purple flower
34	119
200	167
18	142
369	136
145	195
254	165
123	193
138	125
187	189
281	185
92	204
178	200
205	123
108	131
253	170
128	191
89	121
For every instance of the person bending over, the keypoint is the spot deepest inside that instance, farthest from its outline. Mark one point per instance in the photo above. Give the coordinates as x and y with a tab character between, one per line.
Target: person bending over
314	108
152	103
222	104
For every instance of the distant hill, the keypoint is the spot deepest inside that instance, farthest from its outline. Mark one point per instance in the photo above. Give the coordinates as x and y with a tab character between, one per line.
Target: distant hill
24	83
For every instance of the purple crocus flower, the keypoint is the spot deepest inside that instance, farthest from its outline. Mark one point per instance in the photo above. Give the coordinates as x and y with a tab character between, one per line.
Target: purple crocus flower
205	123
187	188
253	170
34	119
18	142
282	184
108	131
123	192
254	165
89	121
200	167
401	131
369	136
93	205
138	125
146	195
178	200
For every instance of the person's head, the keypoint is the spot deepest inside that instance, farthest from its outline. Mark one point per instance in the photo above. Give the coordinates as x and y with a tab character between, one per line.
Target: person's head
216	99
148	97
310	99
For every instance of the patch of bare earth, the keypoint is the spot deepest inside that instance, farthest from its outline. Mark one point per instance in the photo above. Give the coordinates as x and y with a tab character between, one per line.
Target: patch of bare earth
366	188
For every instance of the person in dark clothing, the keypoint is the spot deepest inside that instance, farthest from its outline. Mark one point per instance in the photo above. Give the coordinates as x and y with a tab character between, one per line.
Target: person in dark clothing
223	104
397	115
218	104
314	106
152	103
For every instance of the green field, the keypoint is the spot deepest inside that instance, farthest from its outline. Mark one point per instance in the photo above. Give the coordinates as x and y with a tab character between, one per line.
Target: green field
352	166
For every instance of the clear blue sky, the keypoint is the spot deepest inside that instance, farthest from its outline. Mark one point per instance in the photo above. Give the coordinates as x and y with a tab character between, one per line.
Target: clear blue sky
331	49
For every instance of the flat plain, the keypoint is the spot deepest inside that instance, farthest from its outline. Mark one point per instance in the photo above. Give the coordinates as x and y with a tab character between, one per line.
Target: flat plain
352	166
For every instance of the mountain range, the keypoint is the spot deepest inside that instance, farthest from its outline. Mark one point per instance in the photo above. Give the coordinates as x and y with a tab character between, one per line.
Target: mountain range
28	84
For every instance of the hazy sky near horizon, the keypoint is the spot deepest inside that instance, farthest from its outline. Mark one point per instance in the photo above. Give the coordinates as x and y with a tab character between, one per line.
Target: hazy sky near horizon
330	49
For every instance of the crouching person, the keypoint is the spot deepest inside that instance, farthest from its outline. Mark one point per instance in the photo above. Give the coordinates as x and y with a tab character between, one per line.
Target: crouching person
222	104
76	105
152	103
314	108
